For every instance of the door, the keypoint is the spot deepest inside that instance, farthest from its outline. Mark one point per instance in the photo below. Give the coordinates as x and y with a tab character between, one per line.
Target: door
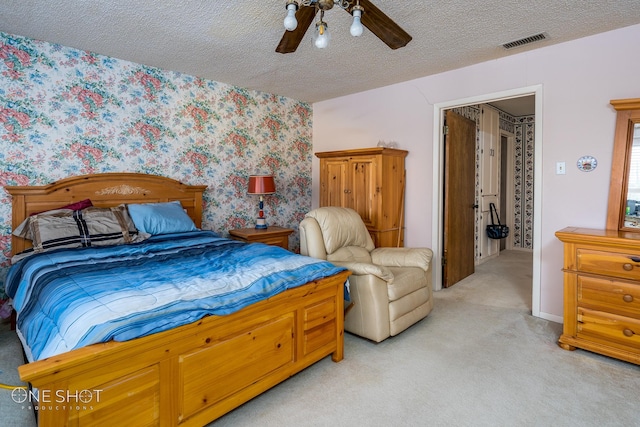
459	198
350	182
362	178
489	152
334	190
489	171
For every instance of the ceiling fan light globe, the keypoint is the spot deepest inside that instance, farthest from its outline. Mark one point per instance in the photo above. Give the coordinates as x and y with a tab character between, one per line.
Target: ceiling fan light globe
356	28
290	21
321	36
321	43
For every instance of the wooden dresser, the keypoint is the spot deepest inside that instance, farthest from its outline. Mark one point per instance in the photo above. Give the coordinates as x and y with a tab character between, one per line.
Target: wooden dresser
370	181
601	292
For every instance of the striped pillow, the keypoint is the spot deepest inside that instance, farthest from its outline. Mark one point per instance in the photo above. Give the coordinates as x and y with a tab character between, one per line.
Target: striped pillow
65	228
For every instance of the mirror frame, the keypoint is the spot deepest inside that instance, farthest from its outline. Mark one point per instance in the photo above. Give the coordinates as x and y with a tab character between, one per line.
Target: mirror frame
628	113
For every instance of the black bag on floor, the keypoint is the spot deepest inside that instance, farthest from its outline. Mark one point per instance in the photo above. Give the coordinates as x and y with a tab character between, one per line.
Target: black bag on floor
496	231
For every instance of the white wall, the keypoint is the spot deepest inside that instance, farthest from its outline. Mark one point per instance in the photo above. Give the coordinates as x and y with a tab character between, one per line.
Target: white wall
578	80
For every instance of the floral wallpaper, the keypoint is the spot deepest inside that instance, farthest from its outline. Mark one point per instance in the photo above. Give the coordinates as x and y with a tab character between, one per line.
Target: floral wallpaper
67	112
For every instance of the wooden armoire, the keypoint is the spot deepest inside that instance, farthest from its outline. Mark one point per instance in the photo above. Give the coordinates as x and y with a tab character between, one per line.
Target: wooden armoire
370	181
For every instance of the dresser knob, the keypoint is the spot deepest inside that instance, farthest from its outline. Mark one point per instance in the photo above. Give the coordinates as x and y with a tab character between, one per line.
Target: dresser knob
628	332
627	267
627	298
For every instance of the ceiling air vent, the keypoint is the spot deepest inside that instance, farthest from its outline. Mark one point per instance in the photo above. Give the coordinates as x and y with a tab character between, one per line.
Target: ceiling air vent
524	41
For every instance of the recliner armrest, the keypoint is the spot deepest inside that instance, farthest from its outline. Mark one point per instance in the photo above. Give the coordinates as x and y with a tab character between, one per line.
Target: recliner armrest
362	268
403	257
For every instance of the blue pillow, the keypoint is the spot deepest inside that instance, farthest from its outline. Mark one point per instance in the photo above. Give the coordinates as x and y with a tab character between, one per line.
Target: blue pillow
161	218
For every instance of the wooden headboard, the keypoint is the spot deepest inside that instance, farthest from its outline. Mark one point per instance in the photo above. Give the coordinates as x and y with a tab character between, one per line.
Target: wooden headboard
104	190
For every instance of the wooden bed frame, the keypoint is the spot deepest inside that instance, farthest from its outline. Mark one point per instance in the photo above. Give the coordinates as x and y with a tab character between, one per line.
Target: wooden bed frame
190	375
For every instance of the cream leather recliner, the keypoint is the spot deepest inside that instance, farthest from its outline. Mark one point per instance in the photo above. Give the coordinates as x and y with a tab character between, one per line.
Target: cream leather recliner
391	287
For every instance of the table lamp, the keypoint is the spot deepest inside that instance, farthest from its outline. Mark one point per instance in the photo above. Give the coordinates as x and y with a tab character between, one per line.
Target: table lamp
261	185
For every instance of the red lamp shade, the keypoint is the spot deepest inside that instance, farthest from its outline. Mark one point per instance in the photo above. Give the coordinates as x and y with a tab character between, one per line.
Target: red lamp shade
261	184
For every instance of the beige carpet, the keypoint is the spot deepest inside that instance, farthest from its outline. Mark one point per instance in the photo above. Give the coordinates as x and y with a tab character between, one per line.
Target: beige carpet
11	413
479	359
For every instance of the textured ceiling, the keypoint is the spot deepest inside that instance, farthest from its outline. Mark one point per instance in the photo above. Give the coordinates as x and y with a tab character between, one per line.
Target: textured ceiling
234	41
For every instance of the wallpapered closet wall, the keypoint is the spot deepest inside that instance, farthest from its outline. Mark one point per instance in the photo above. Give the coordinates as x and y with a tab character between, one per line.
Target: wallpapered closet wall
68	112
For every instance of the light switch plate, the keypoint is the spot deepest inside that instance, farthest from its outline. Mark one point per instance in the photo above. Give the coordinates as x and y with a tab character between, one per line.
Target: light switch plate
561	168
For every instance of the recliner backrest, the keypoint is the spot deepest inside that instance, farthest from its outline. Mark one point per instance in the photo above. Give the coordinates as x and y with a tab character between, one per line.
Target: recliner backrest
311	243
341	227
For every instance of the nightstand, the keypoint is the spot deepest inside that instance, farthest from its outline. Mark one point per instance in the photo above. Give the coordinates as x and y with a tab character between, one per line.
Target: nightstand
276	236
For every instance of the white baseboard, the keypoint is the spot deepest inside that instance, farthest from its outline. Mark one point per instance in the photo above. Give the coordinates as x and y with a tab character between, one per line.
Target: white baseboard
517	248
551	317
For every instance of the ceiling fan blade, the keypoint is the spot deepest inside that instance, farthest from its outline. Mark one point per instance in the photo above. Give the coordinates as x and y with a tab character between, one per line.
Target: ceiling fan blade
383	26
291	39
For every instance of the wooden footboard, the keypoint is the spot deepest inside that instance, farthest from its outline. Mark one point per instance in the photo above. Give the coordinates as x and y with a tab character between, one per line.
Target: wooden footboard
196	373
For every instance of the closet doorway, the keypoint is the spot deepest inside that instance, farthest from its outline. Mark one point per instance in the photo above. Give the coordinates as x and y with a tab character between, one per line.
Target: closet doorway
533	219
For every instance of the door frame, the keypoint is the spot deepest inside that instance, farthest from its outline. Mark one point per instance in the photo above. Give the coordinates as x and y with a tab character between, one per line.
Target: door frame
438	179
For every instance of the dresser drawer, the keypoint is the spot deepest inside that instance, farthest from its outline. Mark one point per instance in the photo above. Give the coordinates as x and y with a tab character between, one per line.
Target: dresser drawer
612	296
625	266
609	329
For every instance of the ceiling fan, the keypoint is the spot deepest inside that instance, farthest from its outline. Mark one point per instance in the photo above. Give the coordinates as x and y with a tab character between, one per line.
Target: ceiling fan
300	14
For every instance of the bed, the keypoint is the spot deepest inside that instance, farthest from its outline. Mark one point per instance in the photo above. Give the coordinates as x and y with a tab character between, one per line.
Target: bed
191	374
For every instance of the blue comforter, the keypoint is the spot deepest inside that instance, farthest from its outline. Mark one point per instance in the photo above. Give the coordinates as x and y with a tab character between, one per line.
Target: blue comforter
71	298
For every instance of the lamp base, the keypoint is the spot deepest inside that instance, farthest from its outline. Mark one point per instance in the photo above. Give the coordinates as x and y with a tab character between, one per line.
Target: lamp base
261	224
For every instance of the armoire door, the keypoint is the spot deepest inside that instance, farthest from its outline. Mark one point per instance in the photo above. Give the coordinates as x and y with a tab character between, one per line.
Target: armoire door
363	183
334	186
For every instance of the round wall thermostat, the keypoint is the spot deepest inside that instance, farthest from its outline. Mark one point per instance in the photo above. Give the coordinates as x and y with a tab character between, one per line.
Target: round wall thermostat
587	163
